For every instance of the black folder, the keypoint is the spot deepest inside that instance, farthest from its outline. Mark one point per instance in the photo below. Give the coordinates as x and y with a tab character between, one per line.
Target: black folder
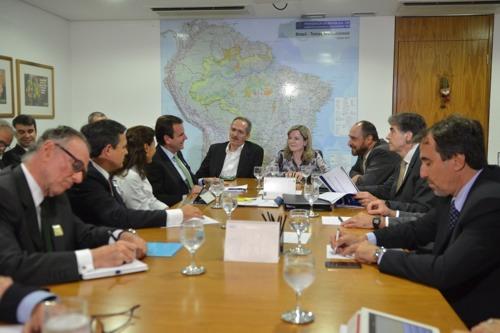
293	201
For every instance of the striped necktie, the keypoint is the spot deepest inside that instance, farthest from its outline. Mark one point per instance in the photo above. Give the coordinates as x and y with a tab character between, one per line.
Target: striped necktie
185	171
454	215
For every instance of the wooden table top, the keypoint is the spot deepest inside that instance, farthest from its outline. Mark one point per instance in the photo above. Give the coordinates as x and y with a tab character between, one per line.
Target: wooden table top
250	297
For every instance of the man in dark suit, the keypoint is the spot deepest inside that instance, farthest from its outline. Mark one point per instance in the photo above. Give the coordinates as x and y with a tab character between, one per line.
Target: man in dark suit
464	225
235	158
375	163
404	190
6	137
96	200
25	127
169	174
43	242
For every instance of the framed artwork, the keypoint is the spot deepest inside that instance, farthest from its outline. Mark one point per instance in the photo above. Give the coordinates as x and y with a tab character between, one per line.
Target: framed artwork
35	89
6	87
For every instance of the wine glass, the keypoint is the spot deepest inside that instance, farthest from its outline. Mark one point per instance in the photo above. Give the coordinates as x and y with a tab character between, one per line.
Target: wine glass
306	171
217	187
299	274
229	204
258	174
299	221
192	237
70	313
311	194
273	170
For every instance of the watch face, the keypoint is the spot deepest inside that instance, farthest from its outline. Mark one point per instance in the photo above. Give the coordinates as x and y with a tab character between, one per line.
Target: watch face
376	222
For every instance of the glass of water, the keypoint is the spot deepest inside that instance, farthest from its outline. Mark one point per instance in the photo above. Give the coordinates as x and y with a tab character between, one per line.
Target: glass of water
258	174
66	315
306	171
299	274
299	221
273	170
217	187
229	204
311	194
192	237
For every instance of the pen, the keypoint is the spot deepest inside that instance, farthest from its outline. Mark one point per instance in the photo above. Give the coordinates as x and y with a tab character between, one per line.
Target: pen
340	219
337	234
263	216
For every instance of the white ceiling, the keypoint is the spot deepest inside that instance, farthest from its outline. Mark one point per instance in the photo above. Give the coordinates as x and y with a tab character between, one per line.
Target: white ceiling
91	10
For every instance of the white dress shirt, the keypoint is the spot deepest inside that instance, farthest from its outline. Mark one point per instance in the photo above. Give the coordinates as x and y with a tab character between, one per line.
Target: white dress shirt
137	193
231	162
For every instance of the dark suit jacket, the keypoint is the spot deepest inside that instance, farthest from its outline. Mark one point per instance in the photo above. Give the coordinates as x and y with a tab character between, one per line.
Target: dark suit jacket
93	202
380	165
168	185
251	156
464	265
22	253
13	156
11	299
414	195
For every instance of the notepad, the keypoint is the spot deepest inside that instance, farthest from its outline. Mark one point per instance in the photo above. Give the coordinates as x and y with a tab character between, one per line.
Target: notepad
331	255
133	267
206	220
161	249
333	220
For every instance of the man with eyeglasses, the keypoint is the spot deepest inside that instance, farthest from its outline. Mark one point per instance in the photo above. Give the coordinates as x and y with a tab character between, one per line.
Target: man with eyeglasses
25	127
43	242
6	136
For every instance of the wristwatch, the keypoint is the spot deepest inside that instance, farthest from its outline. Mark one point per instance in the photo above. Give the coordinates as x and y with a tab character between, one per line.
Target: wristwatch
379	251
130	230
376	222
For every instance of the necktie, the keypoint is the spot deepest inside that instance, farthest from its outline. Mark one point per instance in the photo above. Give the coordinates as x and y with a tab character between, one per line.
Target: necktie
454	215
184	171
45	224
401	177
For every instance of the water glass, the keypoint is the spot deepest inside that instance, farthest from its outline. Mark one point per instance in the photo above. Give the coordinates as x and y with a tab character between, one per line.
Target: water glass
299	274
229	204
217	187
306	171
192	237
311	194
299	221
258	174
273	170
66	315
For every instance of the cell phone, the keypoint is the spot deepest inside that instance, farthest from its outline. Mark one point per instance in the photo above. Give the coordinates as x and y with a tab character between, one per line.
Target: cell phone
342	264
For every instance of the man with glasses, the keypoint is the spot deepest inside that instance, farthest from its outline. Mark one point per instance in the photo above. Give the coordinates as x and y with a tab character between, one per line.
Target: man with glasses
43	242
96	199
25	127
6	136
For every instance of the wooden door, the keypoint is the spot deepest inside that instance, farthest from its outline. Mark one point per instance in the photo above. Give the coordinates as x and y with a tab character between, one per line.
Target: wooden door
431	49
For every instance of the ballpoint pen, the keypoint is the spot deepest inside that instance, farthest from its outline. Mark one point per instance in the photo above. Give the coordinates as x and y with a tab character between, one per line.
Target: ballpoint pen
340	219
337	234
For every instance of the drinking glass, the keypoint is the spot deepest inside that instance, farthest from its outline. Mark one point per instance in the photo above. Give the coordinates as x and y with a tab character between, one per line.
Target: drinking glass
273	170
306	171
258	174
66	315
217	187
229	204
299	274
299	221
311	194
192	237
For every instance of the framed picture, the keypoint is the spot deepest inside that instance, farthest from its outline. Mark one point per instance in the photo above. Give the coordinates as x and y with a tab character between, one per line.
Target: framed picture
6	87
35	89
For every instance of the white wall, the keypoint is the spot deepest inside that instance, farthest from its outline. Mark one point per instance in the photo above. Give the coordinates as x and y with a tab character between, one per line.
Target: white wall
494	131
30	34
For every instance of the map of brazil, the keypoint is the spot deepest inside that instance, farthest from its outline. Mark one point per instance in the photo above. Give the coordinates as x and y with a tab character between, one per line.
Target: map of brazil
276	72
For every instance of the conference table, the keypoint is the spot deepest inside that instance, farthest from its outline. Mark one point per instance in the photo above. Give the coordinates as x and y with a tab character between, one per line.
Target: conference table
250	297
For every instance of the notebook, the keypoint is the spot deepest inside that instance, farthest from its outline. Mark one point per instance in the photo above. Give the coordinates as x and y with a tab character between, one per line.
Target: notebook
293	201
133	267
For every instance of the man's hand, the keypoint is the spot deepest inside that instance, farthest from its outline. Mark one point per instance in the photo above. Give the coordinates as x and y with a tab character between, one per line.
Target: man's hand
378	207
361	220
347	243
5	283
190	211
142	248
116	254
365	198
365	253
196	189
34	325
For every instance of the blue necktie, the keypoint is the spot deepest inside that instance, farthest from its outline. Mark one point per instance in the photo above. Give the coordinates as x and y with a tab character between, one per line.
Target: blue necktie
454	215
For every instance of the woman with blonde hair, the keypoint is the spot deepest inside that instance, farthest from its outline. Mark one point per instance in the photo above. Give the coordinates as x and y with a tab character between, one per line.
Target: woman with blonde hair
298	152
131	181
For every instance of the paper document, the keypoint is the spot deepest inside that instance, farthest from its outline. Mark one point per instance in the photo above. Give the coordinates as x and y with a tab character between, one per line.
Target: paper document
133	267
257	202
162	249
331	255
206	220
291	237
337	180
333	220
11	329
332	197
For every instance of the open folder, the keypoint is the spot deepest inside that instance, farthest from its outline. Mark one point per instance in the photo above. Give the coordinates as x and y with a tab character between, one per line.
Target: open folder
337	180
133	267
